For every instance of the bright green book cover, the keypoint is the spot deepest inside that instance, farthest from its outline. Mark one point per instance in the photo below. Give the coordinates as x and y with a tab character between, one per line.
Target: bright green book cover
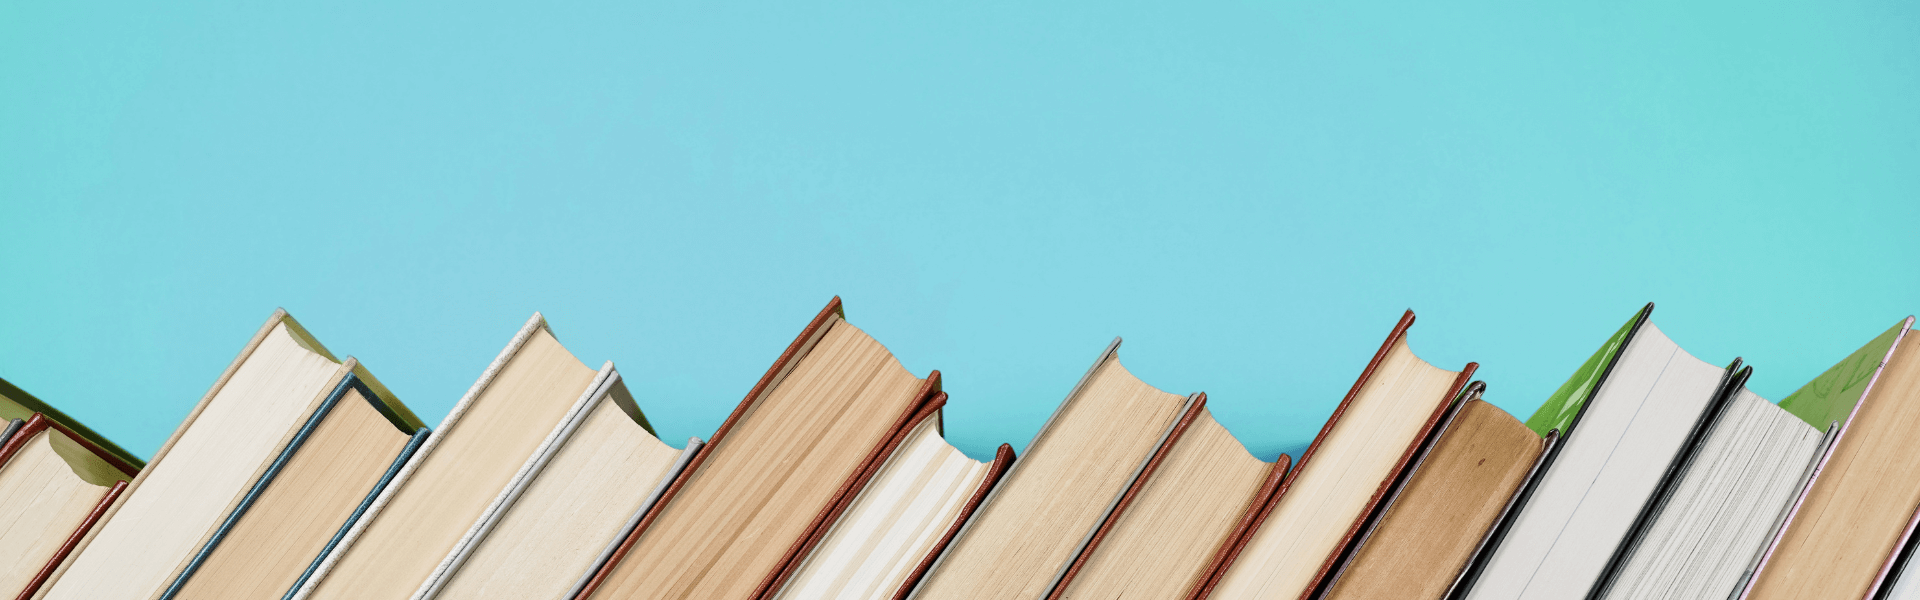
1561	408
1830	397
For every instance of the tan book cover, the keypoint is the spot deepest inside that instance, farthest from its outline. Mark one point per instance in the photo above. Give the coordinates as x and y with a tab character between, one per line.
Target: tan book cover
1451	499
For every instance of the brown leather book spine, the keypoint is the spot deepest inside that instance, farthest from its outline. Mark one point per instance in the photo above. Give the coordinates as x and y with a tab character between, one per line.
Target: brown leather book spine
790	356
93	518
1373	503
1002	460
1126	498
1399	331
34	424
929	403
1258	506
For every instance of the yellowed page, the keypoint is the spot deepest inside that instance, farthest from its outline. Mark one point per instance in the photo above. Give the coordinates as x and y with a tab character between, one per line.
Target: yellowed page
571	511
306	504
764	483
475	459
187	494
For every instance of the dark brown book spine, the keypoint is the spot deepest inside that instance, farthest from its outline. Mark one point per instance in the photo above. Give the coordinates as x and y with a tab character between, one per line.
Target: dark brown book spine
1126	498
19	440
1002	460
791	355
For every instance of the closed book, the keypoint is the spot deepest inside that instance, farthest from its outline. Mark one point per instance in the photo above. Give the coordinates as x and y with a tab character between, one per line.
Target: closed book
778	471
1635	433
257	480
464	473
1162	536
1306	529
915	502
1844	532
1451	498
54	485
1082	464
568	503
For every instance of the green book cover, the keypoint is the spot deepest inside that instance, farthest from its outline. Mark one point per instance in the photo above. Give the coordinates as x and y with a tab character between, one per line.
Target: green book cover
1830	397
1560	409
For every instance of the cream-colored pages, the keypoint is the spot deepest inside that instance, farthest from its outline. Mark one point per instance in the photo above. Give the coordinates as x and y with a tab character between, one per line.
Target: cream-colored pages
1160	546
1602	477
762	485
893	524
42	501
476	456
1058	492
1724	508
304	506
571	510
186	493
1334	485
1852	518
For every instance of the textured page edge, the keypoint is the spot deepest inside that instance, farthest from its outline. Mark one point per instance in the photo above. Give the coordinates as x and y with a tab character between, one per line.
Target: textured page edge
804	343
596	392
534	324
966	525
1195	404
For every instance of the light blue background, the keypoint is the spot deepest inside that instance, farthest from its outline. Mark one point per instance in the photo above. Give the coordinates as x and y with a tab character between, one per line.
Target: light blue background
1249	192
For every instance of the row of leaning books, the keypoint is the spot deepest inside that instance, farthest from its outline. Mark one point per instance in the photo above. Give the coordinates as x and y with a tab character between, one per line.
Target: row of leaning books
1649	474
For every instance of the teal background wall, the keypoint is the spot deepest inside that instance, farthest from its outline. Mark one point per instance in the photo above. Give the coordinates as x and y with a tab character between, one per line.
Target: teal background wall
1249	192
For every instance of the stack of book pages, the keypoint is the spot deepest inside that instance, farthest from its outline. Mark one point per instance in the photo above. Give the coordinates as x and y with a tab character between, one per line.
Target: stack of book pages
1649	474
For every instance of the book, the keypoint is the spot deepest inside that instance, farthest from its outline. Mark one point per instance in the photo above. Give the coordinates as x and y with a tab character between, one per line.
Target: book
567	504
463	474
776	473
1645	417
889	534
55	485
18	405
1843	531
1053	501
1162	536
1431	525
1730	497
1305	529
258	477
